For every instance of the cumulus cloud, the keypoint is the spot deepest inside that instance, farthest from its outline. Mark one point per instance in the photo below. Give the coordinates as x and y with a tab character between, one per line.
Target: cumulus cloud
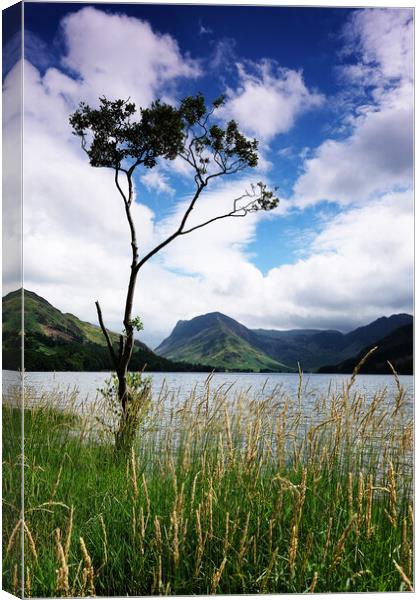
377	156
77	246
12	181
355	271
121	56
385	40
268	99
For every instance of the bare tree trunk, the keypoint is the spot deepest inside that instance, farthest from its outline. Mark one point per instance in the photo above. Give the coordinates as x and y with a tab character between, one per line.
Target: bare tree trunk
121	359
122	388
128	342
126	348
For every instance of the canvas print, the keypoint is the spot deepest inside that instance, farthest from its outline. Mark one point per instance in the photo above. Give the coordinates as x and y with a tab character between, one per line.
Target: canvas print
207	299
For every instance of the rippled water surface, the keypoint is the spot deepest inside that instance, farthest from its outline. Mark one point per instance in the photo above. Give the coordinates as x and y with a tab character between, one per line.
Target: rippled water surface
179	385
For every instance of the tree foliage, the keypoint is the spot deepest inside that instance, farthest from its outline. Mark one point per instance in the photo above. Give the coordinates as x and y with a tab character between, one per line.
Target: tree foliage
110	136
119	136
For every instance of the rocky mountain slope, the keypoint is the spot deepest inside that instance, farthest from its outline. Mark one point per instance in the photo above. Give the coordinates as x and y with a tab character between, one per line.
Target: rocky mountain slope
219	340
55	341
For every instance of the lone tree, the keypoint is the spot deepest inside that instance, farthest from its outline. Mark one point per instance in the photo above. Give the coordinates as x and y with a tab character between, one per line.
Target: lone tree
119	137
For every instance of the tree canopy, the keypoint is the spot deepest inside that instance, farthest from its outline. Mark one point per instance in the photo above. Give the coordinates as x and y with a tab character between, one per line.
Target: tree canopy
113	137
119	136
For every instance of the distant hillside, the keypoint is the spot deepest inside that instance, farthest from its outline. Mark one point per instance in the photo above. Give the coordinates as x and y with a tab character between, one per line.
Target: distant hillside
55	341
316	348
217	339
397	348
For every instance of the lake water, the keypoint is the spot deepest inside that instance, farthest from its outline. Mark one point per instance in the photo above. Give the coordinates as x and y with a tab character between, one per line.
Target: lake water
179	385
304	404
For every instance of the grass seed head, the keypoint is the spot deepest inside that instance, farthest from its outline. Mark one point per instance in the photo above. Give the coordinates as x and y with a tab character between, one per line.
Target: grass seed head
16	529
15	581
31	542
313	583
217	576
403	576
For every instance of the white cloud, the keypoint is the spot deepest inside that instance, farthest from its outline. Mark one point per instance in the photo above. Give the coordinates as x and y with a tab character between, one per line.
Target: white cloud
215	251
156	180
385	39
378	154
360	267
223	54
268	99
121	56
77	247
12	182
179	166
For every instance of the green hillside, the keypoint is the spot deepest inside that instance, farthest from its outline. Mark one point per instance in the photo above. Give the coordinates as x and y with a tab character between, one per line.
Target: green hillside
217	340
56	341
397	348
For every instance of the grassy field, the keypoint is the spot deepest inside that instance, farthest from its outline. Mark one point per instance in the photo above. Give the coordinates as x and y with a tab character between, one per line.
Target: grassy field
220	495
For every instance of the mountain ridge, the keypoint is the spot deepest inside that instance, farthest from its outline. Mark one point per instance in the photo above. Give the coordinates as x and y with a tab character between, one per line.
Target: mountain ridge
222	342
395	348
213	341
202	338
57	341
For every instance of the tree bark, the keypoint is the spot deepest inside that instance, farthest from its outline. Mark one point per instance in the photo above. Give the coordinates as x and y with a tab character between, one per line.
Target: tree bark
122	390
126	347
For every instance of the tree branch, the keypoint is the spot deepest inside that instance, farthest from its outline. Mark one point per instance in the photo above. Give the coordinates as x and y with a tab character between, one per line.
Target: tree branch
121	350
134	165
233	213
127	204
240	211
176	233
117	183
106	334
197	177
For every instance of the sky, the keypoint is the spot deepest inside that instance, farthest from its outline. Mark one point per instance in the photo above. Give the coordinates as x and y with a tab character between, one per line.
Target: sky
328	92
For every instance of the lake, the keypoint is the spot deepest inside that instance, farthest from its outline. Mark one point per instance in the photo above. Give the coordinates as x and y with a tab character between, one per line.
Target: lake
179	385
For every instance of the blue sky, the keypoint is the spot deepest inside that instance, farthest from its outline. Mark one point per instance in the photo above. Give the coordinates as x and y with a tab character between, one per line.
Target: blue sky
329	94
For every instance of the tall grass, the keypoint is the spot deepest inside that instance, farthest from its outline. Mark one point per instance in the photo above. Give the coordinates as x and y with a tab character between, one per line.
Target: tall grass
222	493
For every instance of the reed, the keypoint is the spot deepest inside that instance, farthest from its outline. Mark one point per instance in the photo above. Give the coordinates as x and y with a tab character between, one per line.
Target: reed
28	584
217	576
404	577
313	583
31	542
88	572
62	585
223	492
13	535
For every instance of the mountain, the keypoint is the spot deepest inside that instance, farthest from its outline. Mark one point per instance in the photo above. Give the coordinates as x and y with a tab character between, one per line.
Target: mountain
55	341
397	348
215	339
219	340
315	348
